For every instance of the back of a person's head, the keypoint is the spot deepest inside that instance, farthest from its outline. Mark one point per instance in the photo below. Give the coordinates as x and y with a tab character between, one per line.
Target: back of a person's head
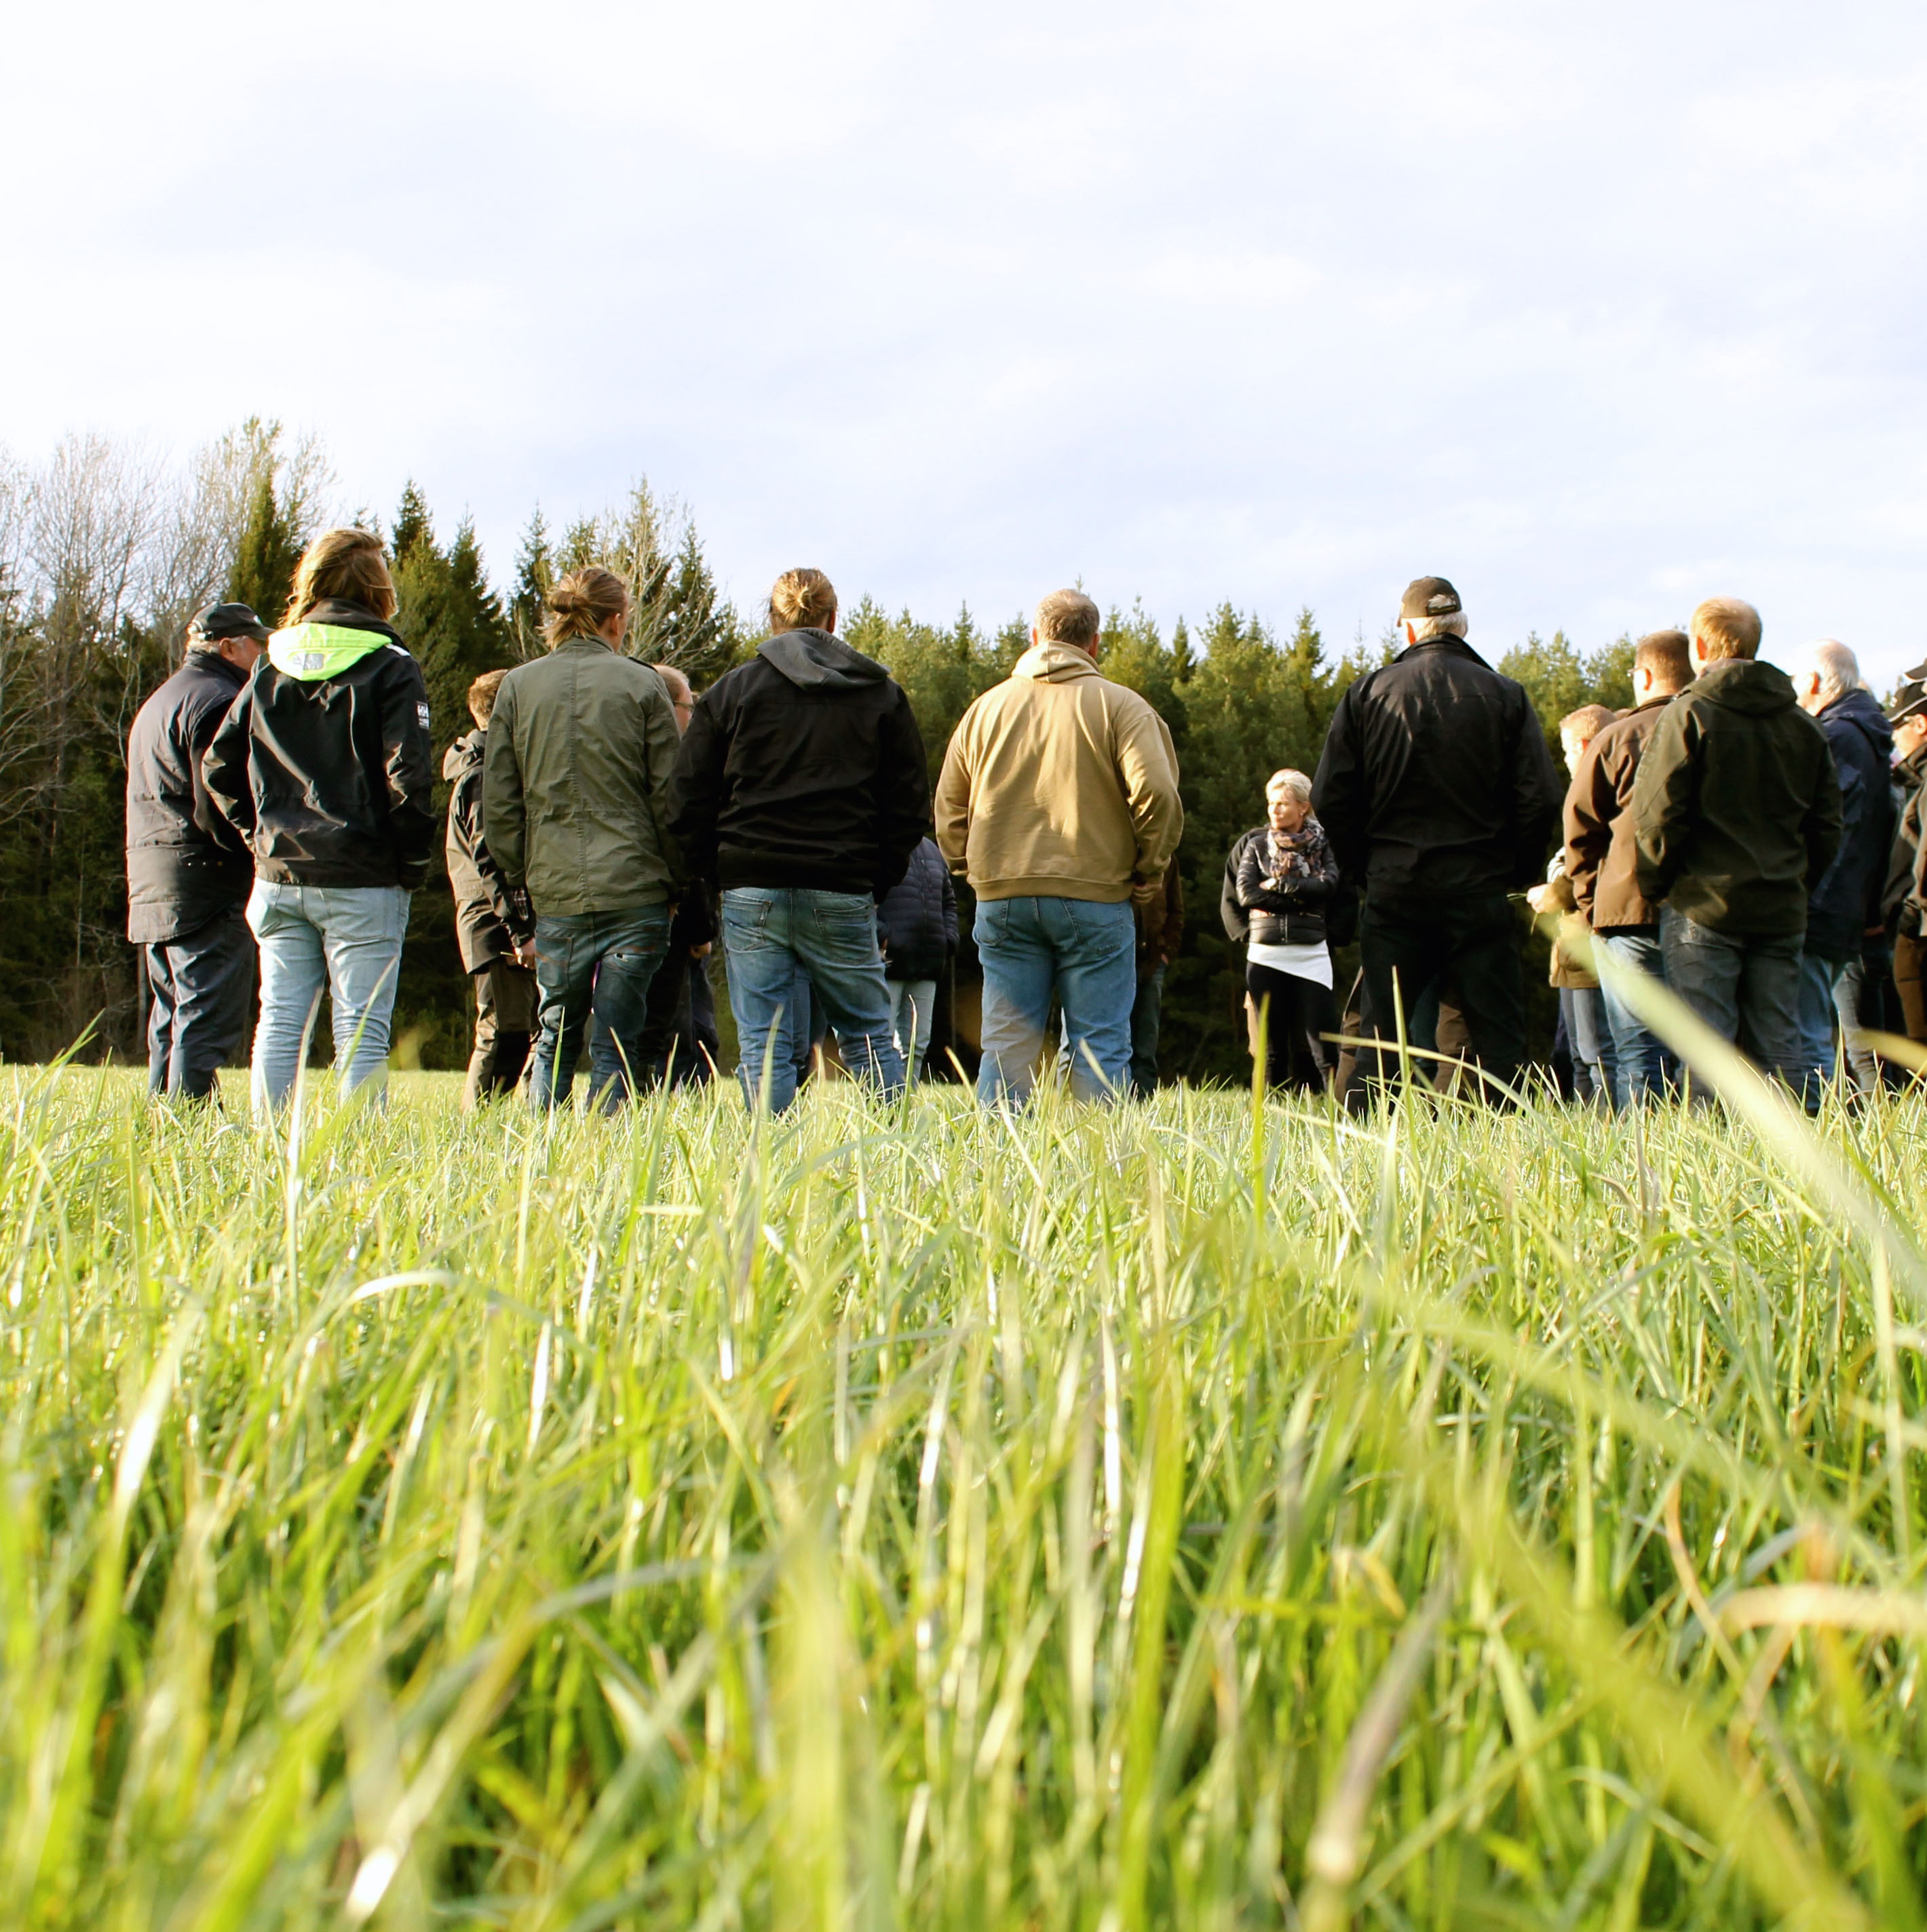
674	682
1838	669
1726	627
1068	617
481	695
802	600
583	602
1587	723
349	566
1668	654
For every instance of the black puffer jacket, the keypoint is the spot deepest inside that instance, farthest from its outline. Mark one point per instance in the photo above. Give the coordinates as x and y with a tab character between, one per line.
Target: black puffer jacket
916	919
804	767
492	917
323	763
1261	907
1435	782
1846	901
185	864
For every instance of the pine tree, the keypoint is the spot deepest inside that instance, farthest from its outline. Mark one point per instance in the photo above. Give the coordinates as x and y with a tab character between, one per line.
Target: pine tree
269	549
412	524
535	577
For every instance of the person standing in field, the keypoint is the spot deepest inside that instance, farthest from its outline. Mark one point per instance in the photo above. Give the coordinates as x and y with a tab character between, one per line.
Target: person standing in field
1902	901
1736	815
1160	932
801	791
1581	1006
678	1037
1058	800
188	872
916	926
1599	857
495	925
1278	881
1438	793
1844	912
574	789
322	765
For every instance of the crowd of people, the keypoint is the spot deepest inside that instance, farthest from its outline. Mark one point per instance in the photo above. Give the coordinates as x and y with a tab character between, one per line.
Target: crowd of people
1747	837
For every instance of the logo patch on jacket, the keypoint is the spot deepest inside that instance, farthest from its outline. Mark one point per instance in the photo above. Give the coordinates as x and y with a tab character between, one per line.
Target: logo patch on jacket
421	712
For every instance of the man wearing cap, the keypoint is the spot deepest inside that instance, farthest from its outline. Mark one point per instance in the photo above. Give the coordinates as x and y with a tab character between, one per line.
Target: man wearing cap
1438	795
188	872
1905	897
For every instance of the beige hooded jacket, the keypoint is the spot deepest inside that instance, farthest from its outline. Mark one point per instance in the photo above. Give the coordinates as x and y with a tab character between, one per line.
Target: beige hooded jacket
1059	784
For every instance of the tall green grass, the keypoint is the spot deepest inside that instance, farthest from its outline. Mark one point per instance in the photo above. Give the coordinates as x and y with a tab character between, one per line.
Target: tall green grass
1193	1514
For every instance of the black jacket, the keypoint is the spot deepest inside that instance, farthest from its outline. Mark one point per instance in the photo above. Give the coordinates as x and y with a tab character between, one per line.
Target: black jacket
1435	781
1259	909
1846	901
916	919
323	763
804	767
1903	865
492	917
185	864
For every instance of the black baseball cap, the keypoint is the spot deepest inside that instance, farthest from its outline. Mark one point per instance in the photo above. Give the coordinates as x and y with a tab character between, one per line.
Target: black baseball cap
1429	597
1911	700
221	621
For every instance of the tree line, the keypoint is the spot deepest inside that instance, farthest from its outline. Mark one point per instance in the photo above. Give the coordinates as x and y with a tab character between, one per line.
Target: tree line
105	552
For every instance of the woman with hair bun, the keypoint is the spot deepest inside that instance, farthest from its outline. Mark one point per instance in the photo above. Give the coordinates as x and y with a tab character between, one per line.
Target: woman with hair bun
580	747
322	766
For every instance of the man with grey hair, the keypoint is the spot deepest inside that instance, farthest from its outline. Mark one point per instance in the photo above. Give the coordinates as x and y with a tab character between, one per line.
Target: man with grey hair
1844	909
1059	801
1437	791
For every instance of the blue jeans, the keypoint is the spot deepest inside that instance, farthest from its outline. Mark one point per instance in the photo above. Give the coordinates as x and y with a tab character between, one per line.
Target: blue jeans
1595	1065
1643	1068
1819	978
1746	989
771	932
594	966
913	1005
1082	951
346	939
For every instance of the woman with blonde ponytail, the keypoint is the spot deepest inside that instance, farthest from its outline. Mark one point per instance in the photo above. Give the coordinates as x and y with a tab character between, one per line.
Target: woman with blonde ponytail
322	766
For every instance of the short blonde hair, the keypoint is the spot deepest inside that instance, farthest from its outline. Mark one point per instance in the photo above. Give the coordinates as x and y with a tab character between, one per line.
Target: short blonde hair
583	602
1293	785
481	695
1729	627
1587	722
350	565
1068	617
803	600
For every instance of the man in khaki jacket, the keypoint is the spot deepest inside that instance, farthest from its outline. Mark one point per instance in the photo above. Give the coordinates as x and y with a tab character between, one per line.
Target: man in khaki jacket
1058	802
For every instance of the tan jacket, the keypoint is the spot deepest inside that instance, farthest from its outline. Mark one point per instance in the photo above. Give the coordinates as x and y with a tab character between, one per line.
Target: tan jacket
1059	784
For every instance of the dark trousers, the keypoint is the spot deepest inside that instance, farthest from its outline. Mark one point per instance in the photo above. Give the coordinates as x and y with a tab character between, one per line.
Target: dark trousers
1291	1009
1146	1015
505	1024
197	1014
1474	941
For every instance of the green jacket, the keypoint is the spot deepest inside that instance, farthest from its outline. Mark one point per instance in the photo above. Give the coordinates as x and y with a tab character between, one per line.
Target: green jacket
579	748
1736	809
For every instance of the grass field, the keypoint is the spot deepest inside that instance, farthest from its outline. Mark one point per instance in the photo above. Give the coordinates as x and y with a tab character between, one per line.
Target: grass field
1198	1514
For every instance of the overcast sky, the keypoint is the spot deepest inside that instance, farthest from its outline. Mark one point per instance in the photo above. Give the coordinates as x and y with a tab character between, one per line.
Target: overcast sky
1596	311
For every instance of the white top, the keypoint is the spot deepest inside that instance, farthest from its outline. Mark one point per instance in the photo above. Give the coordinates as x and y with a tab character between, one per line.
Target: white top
1311	962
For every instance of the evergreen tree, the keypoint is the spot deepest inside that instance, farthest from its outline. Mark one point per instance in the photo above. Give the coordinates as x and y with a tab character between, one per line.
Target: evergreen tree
269	549
528	602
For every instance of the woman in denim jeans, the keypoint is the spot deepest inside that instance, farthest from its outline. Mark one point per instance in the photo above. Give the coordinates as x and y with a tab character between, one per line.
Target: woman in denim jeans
323	766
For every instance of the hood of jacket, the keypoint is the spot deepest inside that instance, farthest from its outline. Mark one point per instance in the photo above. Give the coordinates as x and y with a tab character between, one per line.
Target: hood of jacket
333	637
1052	662
1745	685
464	755
1859	710
813	660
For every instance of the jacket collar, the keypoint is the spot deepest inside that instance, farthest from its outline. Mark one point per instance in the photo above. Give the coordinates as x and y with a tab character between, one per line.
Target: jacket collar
1054	663
1454	646
208	657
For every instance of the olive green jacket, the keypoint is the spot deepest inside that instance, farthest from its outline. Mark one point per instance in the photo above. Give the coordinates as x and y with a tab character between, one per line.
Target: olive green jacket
579	752
1736	809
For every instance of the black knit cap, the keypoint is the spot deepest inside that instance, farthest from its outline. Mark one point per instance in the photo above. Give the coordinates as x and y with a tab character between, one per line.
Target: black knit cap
1911	700
221	621
1429	597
